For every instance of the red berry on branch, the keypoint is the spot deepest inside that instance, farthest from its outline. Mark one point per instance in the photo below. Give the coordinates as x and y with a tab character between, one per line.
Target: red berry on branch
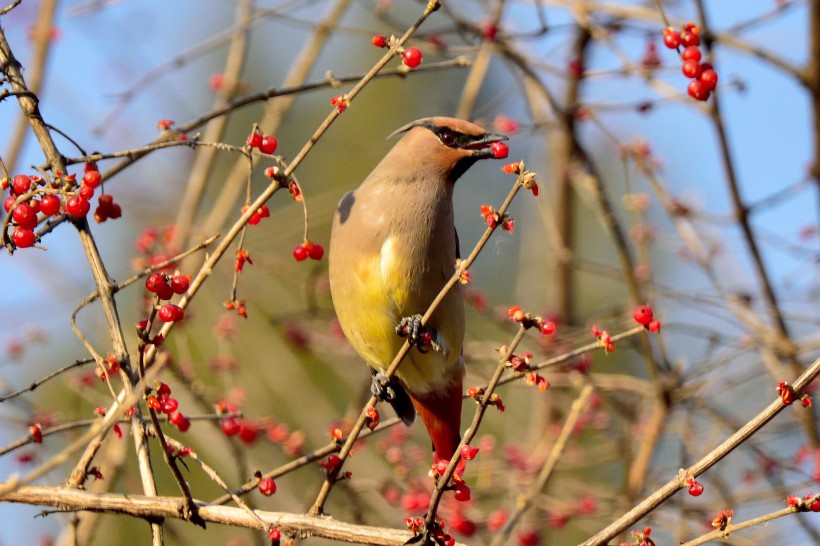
25	216
316	251
708	77
269	144
412	57
23	237
468	452
9	202
671	38
462	492
230	426
691	68
86	192
92	178
691	53
695	489
21	184
643	315
171	313
379	41
77	206
689	38
698	90
254	140
50	204
267	486
547	327
180	284
300	253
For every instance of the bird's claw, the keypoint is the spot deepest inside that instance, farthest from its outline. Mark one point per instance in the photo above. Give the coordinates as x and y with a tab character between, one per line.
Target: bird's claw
421	336
382	387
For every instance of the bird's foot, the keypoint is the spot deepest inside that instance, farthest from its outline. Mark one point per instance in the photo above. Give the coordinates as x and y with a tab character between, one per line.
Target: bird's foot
421	336
383	387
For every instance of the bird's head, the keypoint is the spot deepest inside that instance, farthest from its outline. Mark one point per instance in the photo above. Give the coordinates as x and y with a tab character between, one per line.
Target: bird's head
448	145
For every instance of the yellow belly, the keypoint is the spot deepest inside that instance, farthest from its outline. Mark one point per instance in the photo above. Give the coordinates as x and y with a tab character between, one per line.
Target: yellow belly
378	291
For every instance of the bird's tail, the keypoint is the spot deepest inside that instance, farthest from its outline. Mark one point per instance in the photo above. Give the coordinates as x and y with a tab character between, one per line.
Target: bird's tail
440	411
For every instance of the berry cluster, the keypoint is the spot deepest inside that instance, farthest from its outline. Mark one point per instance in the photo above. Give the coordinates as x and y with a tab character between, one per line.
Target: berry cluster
256	217
644	316
703	75
25	190
341	102
266	144
492	218
308	249
546	327
165	288
164	403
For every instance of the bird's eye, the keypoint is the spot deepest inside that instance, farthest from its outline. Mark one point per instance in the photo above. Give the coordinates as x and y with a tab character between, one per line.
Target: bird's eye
447	137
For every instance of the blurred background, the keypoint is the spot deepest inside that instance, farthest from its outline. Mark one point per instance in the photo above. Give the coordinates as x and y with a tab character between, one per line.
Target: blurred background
593	102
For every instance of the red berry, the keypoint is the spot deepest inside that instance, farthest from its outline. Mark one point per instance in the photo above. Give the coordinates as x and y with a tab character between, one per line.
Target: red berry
50	205
689	38
170	405
643	315
268	145
153	403
412	57
316	252
171	313
500	150
671	38
698	90
267	486
77	206
86	192
696	489
300	253
9	202
179	284
180	421
248	432
691	52
708	77
92	178
23	237
25	216
379	41
154	282
21	184
547	327
35	205
691	68
654	326
462	492
468	452
230	426
815	506
254	140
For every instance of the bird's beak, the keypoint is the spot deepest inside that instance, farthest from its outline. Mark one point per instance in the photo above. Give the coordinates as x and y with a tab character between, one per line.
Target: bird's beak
481	147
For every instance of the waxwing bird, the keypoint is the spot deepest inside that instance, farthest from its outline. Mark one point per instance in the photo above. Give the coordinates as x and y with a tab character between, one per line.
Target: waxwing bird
392	248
